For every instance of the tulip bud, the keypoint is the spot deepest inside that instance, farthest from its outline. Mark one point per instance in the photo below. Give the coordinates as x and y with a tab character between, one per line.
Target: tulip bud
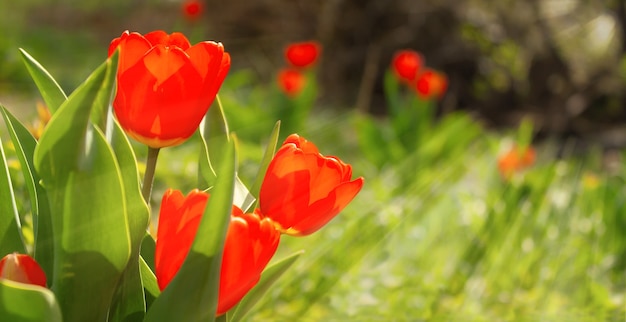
23	269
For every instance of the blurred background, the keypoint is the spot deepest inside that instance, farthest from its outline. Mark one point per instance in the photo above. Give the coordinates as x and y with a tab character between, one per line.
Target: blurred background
559	61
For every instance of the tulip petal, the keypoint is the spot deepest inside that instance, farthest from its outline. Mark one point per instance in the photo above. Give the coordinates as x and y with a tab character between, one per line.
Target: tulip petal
250	244
134	45
141	98
219	79
206	57
23	269
329	176
163	62
322	211
179	219
301	143
160	37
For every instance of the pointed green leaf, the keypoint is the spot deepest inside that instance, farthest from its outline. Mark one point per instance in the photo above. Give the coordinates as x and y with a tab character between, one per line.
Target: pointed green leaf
270	275
103	99
270	150
87	202
25	145
149	281
50	90
192	293
22	303
10	228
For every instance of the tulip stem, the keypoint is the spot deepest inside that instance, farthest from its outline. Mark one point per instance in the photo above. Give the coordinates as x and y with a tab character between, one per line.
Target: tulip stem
148	177
221	318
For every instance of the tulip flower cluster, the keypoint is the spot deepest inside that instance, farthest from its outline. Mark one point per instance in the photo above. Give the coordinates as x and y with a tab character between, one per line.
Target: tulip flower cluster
91	213
297	85
412	92
408	66
301	192
300	57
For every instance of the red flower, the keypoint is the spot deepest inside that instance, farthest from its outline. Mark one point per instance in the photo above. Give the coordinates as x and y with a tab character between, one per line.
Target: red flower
303	190
165	85
23	269
303	54
431	84
291	81
192	10
516	160
406	64
250	243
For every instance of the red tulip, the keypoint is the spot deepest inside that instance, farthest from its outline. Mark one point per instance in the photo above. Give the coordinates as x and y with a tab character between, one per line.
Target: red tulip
431	84
23	269
303	190
291	81
406	64
516	160
165	86
250	243
192	10
303	54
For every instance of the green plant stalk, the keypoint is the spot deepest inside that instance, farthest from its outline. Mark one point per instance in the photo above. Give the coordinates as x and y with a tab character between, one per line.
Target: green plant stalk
148	178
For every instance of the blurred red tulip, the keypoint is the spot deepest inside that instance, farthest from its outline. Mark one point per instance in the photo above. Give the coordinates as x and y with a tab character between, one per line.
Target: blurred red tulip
516	160
291	81
303	190
192	10
23	269
250	243
406	64
303	54
431	84
165	86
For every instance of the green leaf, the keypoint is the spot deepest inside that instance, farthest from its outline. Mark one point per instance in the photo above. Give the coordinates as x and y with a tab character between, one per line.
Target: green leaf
148	248
192	293
88	206
50	90
206	174
215	138
103	99
25	145
270	150
23	302
149	281
10	228
270	275
130	302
